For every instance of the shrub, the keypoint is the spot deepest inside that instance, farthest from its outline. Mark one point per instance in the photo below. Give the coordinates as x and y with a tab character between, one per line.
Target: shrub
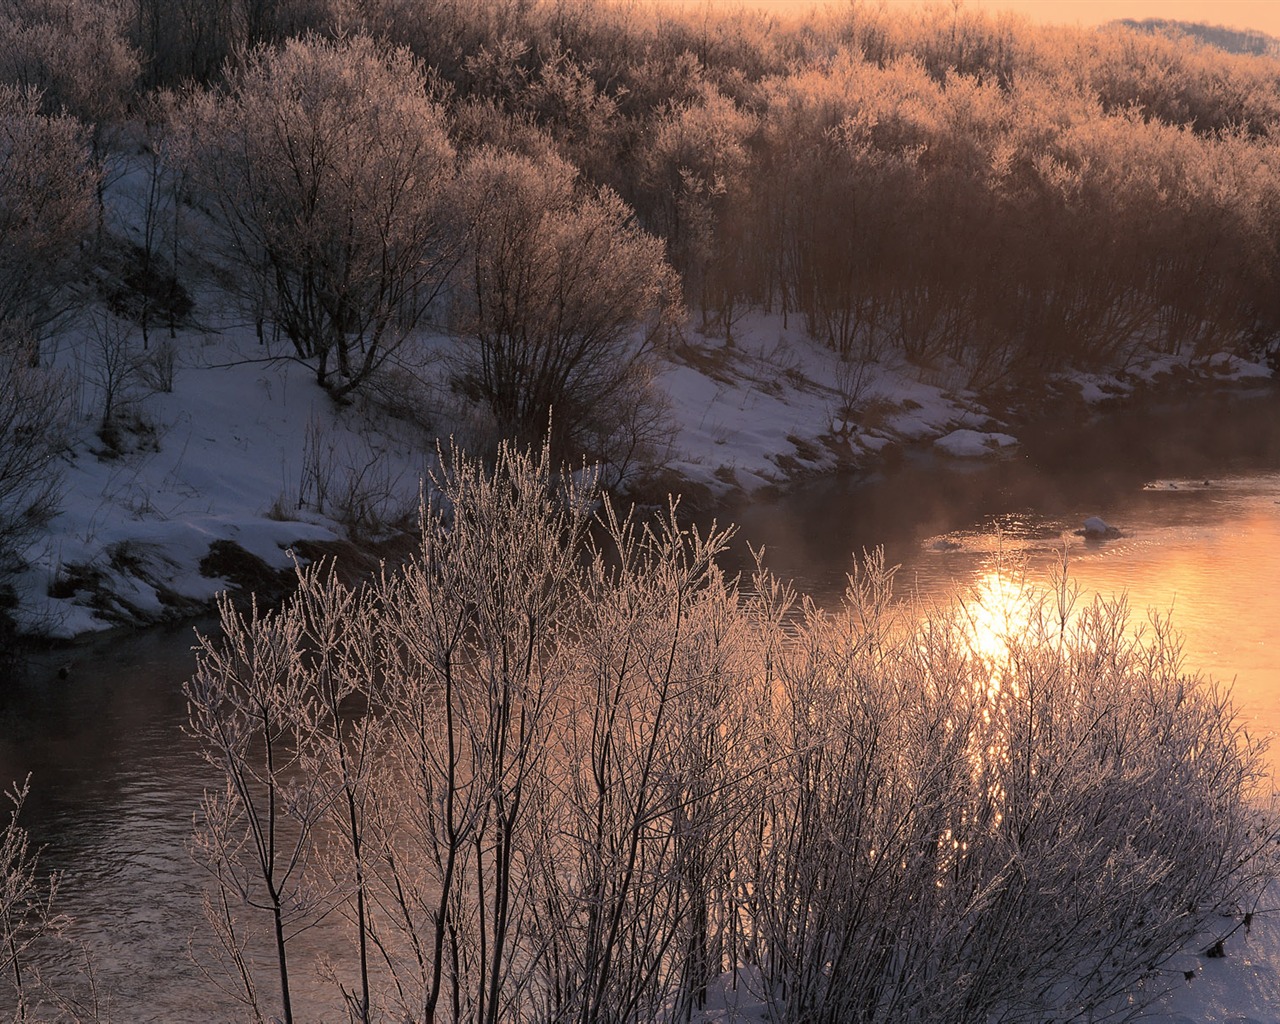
957	836
27	915
34	419
556	769
327	162
558	304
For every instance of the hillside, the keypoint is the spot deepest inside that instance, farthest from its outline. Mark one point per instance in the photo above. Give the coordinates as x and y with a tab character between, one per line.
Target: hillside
1229	40
714	253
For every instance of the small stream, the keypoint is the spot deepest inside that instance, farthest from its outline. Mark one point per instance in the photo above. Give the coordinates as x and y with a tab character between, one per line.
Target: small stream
1193	488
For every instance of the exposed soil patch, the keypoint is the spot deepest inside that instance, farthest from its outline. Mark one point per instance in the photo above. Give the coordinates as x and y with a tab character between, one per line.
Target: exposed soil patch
246	573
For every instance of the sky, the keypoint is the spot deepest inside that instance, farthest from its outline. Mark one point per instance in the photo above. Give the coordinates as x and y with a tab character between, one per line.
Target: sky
1261	15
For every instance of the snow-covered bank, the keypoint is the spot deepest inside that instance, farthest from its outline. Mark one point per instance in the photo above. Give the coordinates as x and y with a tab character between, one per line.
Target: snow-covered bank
247	450
1240	986
777	406
244	451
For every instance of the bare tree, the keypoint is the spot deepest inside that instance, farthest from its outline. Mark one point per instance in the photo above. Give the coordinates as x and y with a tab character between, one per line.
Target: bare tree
339	731
150	290
327	162
473	677
695	169
255	836
655	776
559	302
74	54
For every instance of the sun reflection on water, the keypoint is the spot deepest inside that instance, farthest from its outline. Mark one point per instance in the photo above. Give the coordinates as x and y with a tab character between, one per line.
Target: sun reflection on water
996	611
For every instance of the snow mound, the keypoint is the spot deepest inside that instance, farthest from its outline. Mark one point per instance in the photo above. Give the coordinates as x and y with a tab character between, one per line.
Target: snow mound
974	444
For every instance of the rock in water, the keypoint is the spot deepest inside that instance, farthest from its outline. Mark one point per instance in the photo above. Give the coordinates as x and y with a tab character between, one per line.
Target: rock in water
1095	526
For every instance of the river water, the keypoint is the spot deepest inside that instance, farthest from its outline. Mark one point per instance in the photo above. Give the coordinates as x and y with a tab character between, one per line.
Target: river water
1192	487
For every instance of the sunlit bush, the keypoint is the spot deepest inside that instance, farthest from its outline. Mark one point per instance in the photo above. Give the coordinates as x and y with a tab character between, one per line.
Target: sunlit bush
327	163
562	769
560	302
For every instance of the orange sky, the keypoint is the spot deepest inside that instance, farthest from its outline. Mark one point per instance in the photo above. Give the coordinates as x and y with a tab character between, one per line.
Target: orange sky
1263	15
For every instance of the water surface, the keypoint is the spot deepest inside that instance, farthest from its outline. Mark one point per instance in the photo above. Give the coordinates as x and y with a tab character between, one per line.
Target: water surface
1192	489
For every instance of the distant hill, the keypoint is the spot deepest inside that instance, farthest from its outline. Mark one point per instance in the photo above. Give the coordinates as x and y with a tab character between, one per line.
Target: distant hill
1232	40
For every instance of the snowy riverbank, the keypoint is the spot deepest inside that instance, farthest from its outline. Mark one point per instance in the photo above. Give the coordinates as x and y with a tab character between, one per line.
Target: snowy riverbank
1240	987
246	454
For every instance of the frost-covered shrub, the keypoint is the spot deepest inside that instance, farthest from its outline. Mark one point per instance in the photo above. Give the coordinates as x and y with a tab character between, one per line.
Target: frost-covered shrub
326	162
72	52
558	305
27	915
957	838
557	771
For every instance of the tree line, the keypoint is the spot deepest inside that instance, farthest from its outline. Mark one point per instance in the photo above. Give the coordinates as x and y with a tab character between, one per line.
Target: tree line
954	186
947	183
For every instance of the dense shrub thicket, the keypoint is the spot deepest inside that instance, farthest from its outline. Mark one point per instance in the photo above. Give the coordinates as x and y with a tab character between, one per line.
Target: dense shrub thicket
561	773
952	184
955	187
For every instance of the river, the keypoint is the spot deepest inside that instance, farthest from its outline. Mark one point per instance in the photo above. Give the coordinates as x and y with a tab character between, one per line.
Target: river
1193	487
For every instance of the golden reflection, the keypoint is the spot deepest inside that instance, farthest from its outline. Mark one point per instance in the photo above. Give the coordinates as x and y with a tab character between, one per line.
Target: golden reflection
997	610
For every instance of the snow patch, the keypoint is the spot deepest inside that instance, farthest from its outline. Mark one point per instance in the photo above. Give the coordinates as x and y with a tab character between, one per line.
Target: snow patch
973	444
739	409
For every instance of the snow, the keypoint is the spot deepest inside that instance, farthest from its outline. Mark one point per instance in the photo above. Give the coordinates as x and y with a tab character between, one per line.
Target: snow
740	409
1242	987
1095	526
240	443
1093	389
1227	367
1149	366
973	444
247	448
